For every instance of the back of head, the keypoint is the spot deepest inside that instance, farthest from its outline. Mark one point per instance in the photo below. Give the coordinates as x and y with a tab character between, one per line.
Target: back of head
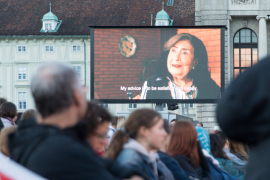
29	114
238	147
8	110
4	139
121	121
222	137
114	121
137	119
184	141
2	100
174	120
95	115
53	87
166	126
216	147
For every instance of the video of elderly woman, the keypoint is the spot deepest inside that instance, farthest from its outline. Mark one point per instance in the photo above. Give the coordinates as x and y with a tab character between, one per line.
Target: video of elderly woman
157	63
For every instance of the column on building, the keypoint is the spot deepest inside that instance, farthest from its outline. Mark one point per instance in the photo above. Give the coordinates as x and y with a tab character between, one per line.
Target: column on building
262	36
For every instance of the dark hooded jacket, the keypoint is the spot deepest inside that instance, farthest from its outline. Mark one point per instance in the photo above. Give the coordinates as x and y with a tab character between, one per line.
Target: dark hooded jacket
59	154
202	172
243	113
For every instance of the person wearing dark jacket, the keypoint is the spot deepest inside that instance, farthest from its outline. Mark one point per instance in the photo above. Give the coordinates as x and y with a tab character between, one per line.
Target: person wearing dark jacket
174	166
186	150
44	147
224	162
243	113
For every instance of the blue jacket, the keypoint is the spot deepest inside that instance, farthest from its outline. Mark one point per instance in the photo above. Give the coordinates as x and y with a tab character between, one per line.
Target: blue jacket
133	159
227	165
173	165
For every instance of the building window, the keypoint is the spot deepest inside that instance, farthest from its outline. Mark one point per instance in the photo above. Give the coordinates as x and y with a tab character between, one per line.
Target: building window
78	70
22	72
191	105
48	48
164	105
21	48
170	2
48	26
76	48
132	106
245	50
22	100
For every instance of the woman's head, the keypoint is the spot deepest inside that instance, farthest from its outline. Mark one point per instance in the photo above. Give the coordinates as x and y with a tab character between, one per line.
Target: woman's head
29	114
216	147
184	55
98	120
143	125
238	147
223	139
183	141
9	110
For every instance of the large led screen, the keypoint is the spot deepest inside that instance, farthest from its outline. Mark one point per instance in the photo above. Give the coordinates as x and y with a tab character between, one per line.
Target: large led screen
157	64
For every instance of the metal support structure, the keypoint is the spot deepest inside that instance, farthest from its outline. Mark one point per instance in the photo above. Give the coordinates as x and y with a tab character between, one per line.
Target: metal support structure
159	107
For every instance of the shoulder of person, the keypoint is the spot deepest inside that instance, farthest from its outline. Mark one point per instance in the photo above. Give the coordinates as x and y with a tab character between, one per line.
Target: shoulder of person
130	156
181	157
156	79
57	149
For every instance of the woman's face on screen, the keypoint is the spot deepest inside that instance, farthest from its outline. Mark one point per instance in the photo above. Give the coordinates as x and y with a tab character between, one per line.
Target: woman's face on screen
181	59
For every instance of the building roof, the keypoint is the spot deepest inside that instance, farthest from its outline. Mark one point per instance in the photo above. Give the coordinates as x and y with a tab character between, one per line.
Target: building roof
162	14
50	16
24	17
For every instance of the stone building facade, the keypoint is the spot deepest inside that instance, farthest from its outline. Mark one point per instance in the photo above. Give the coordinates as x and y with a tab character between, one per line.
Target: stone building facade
246	38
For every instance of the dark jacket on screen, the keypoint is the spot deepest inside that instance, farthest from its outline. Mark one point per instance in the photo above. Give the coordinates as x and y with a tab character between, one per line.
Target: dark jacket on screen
243	113
202	172
206	90
174	166
55	155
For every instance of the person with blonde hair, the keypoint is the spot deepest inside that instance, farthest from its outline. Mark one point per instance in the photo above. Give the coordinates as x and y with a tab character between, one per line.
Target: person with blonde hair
238	149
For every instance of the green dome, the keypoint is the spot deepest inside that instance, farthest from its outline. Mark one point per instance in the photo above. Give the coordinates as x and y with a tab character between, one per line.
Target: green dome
162	15
50	16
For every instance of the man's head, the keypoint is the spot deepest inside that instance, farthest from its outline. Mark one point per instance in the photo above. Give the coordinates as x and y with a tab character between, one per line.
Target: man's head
200	124
173	121
29	114
55	88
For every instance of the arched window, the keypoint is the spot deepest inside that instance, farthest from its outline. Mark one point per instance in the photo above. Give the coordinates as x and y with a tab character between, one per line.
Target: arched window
245	50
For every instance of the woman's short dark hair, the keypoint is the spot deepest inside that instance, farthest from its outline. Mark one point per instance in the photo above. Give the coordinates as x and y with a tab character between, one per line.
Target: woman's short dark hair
95	115
222	137
8	110
216	147
200	71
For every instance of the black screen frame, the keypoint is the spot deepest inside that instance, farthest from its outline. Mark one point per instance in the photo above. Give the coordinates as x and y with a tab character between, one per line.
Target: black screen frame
116	101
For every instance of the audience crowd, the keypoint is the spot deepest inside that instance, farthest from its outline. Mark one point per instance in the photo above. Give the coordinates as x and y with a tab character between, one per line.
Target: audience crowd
70	138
